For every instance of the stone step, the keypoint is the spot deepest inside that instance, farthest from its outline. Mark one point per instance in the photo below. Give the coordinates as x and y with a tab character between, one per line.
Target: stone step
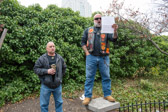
102	105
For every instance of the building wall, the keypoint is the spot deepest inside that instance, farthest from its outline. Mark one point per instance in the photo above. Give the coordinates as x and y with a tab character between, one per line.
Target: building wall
78	5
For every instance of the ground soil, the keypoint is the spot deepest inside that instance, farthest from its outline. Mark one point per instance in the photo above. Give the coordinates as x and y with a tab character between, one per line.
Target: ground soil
33	105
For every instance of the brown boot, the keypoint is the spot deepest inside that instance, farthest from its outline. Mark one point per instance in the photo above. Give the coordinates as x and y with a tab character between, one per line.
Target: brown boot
110	98
86	101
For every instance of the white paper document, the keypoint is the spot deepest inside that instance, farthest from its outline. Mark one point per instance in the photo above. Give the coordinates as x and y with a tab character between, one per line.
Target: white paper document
107	23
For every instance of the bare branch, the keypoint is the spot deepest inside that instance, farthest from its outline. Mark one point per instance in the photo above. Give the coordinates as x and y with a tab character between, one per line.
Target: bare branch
158	47
143	23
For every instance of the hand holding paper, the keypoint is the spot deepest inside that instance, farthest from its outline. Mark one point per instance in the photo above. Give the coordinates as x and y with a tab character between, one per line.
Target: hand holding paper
108	25
115	27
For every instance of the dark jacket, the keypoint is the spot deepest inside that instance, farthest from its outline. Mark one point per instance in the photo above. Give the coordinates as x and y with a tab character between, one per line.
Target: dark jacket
41	69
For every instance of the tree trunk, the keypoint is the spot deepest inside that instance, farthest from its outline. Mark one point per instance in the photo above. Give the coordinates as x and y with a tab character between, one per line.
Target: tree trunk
3	37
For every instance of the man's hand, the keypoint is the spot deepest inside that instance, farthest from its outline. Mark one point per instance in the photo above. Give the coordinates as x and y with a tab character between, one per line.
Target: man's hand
115	27
51	71
85	50
87	53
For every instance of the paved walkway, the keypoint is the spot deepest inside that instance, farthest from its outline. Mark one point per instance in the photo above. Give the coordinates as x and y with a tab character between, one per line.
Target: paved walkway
33	105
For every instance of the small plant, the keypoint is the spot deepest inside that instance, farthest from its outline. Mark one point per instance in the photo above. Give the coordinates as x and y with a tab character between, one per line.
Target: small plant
146	85
140	72
155	71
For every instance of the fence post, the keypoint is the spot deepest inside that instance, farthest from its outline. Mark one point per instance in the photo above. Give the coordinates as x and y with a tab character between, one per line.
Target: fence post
150	106
145	107
154	106
124	108
159	105
141	106
164	105
128	107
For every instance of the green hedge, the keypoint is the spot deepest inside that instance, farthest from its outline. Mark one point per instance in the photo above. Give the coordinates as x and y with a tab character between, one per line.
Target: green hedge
29	30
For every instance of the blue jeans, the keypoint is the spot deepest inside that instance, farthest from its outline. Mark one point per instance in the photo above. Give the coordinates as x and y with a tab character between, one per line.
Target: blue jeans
45	94
102	63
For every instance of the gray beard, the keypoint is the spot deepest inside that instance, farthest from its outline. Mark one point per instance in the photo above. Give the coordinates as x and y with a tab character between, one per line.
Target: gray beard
97	25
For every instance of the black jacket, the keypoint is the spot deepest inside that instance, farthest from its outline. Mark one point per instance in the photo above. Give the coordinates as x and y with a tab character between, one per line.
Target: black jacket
41	69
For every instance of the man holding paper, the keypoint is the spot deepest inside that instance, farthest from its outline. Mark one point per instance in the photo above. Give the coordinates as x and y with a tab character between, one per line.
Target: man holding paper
95	44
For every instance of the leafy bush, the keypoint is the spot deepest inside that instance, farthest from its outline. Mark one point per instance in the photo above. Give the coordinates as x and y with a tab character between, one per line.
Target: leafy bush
29	30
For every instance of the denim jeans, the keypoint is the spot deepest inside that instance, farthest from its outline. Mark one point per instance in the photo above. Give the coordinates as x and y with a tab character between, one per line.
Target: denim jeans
102	63
45	94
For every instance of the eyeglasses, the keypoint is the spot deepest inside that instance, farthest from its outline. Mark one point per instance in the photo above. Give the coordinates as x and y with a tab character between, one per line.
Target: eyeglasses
97	18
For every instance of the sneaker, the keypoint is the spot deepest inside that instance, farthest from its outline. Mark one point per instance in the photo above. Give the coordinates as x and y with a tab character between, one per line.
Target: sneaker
110	98
86	101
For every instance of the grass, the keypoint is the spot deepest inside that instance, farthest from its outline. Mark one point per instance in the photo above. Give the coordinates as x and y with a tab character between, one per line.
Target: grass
126	90
140	89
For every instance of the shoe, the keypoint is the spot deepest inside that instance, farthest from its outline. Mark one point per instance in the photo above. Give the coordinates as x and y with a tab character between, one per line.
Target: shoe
110	98
86	101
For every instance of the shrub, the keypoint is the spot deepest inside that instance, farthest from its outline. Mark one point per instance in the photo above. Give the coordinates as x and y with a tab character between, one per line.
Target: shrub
29	30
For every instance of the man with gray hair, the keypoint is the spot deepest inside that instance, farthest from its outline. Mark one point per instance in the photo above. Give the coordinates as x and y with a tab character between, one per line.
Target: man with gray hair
50	68
96	47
